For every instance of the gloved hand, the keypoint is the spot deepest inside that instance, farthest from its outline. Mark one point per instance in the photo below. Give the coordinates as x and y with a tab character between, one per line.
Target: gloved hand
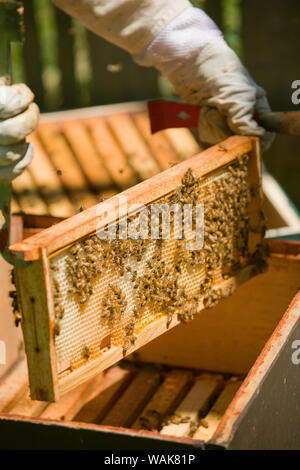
217	81
19	116
191	52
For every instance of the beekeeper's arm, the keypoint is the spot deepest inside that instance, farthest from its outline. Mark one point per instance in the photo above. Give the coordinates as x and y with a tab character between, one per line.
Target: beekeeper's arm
188	48
180	41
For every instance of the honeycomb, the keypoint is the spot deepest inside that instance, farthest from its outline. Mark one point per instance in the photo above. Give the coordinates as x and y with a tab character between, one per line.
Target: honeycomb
106	291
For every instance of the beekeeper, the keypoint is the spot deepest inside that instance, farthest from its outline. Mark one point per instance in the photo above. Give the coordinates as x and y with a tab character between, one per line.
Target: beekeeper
182	42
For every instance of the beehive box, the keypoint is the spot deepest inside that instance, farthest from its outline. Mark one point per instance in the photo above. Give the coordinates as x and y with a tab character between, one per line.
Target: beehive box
228	380
59	181
86	302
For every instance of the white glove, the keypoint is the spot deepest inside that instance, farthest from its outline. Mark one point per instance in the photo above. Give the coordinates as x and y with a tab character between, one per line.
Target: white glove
204	71
217	81
19	116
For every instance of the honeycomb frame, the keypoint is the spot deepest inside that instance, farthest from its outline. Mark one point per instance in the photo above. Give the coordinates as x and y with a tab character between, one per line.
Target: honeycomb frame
52	373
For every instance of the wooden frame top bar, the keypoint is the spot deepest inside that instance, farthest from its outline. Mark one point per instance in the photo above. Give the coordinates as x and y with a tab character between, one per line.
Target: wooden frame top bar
84	223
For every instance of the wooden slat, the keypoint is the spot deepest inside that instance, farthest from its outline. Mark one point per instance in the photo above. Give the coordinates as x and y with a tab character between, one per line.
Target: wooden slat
13	387
66	165
48	182
255	216
61	155
194	405
133	400
90	162
37	315
213	418
182	142
165	399
69	405
27	407
113	158
114	382
132	143
107	194
158	143
29	199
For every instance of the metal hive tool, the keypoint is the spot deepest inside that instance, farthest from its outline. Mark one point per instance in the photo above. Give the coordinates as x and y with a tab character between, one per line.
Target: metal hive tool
87	302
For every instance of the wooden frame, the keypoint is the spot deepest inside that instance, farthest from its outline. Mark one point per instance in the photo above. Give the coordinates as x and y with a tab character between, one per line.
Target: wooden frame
34	281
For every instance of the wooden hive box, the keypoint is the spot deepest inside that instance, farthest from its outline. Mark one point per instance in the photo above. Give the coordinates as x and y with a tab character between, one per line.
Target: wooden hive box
208	360
228	380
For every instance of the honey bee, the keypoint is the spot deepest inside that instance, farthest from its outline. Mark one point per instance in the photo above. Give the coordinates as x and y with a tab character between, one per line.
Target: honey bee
75	249
18	319
86	352
56	285
60	312
169	319
57	328
193	428
135	313
125	347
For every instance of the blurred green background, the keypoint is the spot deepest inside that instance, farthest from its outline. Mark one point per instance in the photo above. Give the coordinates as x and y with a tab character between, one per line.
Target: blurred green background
69	67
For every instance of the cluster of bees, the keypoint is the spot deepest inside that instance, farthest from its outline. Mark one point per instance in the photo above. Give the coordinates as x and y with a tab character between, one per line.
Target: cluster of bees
14	300
58	308
87	260
226	219
160	288
153	420
179	419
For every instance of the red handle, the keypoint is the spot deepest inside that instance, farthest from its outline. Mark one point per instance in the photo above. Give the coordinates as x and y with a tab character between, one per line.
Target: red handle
167	114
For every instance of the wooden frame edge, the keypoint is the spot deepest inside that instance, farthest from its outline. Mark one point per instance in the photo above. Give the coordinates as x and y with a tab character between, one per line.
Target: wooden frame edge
228	424
38	320
82	224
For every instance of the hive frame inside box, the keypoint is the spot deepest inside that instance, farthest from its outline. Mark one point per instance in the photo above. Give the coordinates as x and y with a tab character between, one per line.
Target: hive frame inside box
35	285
